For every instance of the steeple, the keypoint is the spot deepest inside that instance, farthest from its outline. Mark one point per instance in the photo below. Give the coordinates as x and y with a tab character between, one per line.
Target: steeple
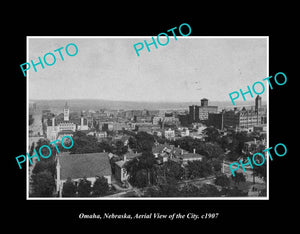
66	112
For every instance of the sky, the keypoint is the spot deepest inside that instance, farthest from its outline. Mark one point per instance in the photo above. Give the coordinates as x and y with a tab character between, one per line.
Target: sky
187	69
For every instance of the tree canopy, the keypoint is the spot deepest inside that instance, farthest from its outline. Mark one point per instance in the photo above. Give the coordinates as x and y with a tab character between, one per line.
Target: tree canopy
43	184
100	187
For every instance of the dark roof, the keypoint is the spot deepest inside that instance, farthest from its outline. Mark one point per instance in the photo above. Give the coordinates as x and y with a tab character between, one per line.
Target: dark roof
84	165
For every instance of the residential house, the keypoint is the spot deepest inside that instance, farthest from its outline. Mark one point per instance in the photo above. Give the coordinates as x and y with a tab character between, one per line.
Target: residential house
120	170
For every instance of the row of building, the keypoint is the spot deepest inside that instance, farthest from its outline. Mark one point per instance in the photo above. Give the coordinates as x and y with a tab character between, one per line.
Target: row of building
255	117
236	118
93	165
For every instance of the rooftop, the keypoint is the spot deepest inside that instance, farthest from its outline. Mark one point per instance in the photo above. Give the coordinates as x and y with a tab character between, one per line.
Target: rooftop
191	155
84	165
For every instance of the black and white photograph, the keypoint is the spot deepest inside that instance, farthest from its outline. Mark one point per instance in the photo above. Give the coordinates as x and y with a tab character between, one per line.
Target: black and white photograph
171	118
180	121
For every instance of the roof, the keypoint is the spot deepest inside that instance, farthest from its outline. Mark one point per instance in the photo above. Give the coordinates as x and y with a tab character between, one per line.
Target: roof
84	165
65	132
159	148
190	156
132	155
120	163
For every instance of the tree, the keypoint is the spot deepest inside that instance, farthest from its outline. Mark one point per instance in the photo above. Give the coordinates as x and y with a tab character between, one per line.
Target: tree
260	171
234	192
222	180
206	190
120	149
144	141
233	156
45	165
170	170
100	187
87	144
146	163
189	190
212	134
209	190
132	142
141	178
211	150
239	177
84	188
43	184
198	169
69	188
165	189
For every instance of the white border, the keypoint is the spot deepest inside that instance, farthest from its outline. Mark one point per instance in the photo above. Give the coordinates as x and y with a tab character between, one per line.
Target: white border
143	198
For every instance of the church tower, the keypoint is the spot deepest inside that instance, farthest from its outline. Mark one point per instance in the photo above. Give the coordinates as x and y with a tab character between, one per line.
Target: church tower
66	112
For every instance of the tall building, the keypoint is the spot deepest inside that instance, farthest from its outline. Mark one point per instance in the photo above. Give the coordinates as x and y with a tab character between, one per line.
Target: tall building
200	113
205	109
257	103
66	112
240	118
204	102
62	125
194	113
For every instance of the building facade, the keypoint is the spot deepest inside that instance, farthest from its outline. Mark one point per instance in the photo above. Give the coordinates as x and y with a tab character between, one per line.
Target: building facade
200	113
59	126
240	118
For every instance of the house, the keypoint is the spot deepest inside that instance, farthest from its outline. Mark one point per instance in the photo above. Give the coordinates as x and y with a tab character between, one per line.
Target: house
120	170
164	152
185	157
169	134
183	132
78	166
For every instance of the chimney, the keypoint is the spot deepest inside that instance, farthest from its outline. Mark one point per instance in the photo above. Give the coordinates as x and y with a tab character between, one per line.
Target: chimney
124	158
181	152
254	140
194	151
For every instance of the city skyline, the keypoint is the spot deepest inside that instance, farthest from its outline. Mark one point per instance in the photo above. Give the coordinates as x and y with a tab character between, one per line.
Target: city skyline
185	71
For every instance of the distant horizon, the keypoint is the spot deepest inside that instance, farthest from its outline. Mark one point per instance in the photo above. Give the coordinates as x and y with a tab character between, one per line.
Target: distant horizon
139	101
95	104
